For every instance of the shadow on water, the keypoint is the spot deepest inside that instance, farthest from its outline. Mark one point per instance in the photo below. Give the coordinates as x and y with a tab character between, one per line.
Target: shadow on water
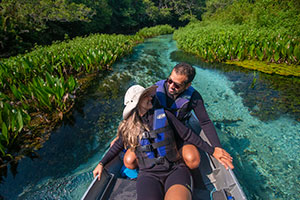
266	96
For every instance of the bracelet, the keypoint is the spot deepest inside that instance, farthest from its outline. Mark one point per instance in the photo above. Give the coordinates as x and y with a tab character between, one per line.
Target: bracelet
100	163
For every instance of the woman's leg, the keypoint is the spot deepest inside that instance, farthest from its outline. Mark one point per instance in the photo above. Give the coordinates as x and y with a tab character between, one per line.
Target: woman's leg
178	192
191	156
178	185
149	188
130	160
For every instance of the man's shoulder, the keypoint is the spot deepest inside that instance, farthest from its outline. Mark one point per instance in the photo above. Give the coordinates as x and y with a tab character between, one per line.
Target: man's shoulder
160	82
196	95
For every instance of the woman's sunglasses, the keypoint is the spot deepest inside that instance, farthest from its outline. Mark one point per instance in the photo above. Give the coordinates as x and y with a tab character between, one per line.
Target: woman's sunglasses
176	85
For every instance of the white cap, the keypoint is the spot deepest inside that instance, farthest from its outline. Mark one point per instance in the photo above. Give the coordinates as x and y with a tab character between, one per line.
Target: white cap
132	97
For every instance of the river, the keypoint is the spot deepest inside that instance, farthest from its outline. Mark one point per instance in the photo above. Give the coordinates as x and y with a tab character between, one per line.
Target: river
257	117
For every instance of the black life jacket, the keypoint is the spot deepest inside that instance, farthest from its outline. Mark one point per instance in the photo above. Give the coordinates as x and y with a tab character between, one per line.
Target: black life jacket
180	107
157	146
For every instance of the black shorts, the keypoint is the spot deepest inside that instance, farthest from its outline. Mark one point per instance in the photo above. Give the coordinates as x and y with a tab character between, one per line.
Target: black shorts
154	185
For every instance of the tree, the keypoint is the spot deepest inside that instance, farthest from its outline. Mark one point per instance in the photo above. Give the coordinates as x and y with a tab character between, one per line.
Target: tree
175	12
19	17
158	11
127	15
98	23
213	5
188	9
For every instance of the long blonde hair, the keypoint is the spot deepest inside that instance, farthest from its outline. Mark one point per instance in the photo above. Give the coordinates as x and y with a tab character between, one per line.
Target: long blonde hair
130	129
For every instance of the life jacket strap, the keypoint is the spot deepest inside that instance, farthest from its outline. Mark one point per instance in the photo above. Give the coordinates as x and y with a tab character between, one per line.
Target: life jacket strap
160	144
149	135
150	147
160	130
153	134
144	148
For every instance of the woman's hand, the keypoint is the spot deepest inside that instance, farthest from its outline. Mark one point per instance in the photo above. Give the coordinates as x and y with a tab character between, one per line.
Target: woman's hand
98	171
223	157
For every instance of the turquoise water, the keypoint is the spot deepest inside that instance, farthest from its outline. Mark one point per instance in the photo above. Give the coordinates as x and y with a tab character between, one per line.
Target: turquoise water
261	134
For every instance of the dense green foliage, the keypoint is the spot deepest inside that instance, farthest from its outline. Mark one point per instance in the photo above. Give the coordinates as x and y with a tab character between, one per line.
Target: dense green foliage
153	31
45	80
22	20
271	14
24	23
216	42
263	30
170	11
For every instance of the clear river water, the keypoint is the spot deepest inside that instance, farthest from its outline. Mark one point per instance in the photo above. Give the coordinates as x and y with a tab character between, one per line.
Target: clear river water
257	117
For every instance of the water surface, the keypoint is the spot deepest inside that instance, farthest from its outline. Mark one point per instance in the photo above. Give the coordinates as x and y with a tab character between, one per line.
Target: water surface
256	116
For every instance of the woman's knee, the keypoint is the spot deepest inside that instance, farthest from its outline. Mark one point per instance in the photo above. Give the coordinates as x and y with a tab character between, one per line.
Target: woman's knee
178	192
191	156
130	160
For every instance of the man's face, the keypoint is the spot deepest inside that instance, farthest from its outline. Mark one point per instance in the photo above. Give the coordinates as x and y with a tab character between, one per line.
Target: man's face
176	83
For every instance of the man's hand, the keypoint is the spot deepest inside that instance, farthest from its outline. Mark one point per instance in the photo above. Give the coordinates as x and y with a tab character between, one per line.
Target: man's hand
98	171
223	157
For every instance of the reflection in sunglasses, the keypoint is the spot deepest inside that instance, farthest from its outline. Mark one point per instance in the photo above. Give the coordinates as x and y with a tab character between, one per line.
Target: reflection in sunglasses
176	85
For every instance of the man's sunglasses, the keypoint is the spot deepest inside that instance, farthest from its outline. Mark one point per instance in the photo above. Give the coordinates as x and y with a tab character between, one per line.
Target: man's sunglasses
176	85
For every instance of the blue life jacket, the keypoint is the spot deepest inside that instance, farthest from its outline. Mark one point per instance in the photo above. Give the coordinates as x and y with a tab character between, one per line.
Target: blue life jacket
180	106
157	146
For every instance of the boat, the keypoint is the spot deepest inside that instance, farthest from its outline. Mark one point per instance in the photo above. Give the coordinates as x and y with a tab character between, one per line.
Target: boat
211	181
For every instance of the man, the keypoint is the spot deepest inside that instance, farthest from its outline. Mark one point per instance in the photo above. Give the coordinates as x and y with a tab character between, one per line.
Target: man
177	95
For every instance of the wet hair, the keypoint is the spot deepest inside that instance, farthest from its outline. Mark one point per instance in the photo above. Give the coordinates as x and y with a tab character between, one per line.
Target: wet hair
187	70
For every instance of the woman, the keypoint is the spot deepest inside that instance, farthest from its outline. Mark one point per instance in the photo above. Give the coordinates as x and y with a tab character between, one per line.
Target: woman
149	134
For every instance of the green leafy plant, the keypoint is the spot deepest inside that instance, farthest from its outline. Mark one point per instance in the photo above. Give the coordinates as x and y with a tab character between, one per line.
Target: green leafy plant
44	81
219	43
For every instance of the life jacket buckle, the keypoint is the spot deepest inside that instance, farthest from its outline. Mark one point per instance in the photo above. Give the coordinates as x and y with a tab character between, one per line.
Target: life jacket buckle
145	135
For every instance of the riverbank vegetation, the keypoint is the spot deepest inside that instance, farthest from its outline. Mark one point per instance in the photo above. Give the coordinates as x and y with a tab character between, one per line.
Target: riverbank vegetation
40	87
237	31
